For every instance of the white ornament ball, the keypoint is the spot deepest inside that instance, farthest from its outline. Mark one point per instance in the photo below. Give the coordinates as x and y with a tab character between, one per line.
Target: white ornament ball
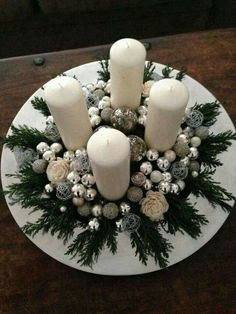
93	111
105	102
164	187
90	87
68	155
56	148
49	188
181	184
49	155
49	120
85	91
142	110
42	147
170	155
97	210
88	180
78	190
146	101
63	209
193	154
182	138
73	177
101	84
146	167
142	119
95	120
156	176
195	141
152	154
39	166
108	88
189	132
194	174
163	163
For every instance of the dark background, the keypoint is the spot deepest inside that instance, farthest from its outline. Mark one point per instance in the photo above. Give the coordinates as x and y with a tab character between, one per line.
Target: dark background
35	26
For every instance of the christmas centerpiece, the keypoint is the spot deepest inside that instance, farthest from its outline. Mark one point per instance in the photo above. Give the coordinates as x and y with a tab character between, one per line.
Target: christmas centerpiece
120	155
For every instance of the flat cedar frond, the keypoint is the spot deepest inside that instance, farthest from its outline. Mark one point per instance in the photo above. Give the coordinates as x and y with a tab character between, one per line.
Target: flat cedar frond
104	73
210	111
148	71
41	105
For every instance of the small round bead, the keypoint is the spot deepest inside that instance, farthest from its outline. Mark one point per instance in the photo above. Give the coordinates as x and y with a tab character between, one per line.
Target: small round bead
84	210
63	209
194	174
195	141
170	155
110	210
134	194
156	176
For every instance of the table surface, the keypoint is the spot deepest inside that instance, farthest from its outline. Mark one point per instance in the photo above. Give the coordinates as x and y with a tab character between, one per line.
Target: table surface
32	282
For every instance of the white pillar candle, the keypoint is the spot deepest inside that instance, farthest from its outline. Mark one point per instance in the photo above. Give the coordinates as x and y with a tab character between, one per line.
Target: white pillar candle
127	61
167	102
66	102
109	155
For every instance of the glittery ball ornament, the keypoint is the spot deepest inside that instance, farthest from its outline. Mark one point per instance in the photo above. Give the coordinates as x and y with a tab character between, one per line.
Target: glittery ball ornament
164	187
49	156
179	171
124	208
134	194
93	224
90	194
152	154
88	180
95	120
182	138
80	163
195	119
56	148
185	161
68	155
78	190
39	166
167	176
174	188
42	147
105	102
63	209
163	163
147	185
110	210
63	191
93	111
137	148
181	149
124	119
84	210
193	154
146	167
130	223
96	210
138	178
51	132
73	177
202	132
99	93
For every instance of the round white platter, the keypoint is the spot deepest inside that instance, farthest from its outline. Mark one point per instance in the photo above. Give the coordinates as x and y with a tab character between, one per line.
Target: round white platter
125	262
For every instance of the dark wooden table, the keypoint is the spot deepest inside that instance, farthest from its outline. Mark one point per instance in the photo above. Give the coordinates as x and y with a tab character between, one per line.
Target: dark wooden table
32	282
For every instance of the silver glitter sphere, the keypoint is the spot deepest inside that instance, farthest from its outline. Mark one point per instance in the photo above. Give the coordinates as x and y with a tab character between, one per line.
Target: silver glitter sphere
146	167
179	171
42	147
63	191
194	166
49	188
147	185
156	176
73	177
124	119
56	148
164	187
142	110
131	223
167	176
174	188
80	163
93	111
138	178
163	163
110	210
124	208
93	224
193	154
95	120
88	180
202	132
106	114
51	132
119	225
183	139
39	166
79	190
181	149
152	154
69	155
49	156
90	194
137	148
134	194
194	119
96	210
63	209
92	100
84	210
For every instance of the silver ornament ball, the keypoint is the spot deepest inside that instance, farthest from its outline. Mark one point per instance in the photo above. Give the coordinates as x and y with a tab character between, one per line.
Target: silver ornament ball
90	194
124	119
49	156
73	177
179	171
42	147
164	187
146	167
93	224
125	208
147	185
152	154
69	155
137	148
131	223
163	163
96	210
88	180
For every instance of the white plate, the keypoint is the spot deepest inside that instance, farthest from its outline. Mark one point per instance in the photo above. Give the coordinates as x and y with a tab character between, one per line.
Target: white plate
125	262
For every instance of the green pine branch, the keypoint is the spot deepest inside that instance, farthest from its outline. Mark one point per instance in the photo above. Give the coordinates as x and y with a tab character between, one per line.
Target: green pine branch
181	74
88	245
167	72
104	73
148	241
210	111
41	105
213	145
206	187
25	136
148	71
183	217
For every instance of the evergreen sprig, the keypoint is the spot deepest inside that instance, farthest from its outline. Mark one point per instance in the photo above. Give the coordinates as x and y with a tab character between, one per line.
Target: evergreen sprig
148	71
167	73
181	74
88	245
210	111
40	104
148	241
104	73
205	186
213	145
183	217
25	136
